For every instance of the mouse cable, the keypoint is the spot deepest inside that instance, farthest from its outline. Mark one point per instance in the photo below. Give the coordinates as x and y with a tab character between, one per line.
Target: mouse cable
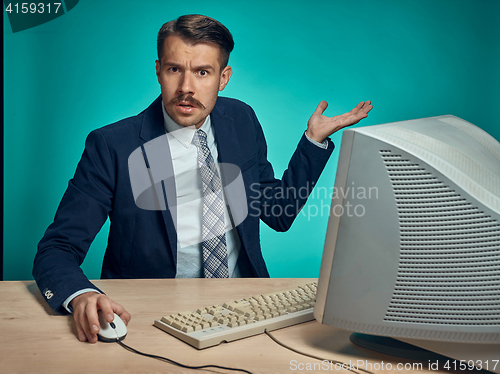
128	348
344	365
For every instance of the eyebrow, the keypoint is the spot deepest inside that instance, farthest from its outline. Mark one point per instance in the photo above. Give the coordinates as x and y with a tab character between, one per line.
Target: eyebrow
204	67
199	67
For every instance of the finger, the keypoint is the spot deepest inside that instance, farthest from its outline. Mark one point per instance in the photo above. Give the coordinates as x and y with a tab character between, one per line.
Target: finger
78	304
104	304
84	323
82	336
360	111
92	321
124	315
321	107
360	105
356	109
365	105
368	106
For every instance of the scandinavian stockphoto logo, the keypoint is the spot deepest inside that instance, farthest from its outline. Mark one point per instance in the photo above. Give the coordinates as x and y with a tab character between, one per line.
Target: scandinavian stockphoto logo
154	188
345	201
25	15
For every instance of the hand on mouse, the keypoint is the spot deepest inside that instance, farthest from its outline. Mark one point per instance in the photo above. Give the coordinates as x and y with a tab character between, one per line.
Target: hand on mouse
85	307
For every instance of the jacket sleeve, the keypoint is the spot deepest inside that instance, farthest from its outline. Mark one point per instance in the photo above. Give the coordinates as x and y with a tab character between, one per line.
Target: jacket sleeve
83	210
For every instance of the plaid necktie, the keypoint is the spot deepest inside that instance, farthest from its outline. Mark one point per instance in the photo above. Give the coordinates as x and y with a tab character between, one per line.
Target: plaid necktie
213	228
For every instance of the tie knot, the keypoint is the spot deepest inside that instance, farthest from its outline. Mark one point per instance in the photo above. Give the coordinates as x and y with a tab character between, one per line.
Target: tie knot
200	138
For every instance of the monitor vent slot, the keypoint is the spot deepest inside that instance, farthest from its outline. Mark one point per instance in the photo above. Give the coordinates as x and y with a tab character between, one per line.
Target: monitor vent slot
449	265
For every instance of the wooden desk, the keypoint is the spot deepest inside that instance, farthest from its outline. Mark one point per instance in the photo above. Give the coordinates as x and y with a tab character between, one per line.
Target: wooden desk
33	339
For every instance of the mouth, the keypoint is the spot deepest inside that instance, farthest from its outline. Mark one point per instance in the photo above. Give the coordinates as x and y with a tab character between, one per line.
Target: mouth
185	107
187	104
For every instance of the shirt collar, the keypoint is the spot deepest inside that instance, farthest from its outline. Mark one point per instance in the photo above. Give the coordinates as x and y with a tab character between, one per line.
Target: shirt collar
184	135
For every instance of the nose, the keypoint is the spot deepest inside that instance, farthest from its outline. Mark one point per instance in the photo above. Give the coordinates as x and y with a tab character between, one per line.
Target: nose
186	84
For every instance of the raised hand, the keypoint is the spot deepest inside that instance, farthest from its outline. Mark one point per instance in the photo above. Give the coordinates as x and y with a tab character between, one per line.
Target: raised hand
320	127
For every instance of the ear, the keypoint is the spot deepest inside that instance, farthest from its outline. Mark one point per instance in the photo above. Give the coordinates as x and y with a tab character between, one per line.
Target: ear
158	68
224	77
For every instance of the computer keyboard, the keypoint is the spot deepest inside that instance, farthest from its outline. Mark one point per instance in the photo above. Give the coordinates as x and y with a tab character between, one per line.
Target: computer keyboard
212	325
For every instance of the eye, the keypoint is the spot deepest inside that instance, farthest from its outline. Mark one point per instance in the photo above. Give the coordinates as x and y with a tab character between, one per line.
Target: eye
173	69
203	72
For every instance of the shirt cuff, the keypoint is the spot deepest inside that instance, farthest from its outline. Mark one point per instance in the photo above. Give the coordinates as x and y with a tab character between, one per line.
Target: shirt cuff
66	302
323	145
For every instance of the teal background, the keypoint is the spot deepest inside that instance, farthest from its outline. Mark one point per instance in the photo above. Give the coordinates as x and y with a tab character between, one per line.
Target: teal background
96	65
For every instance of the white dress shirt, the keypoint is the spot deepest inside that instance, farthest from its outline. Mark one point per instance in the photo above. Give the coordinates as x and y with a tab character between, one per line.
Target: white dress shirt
189	191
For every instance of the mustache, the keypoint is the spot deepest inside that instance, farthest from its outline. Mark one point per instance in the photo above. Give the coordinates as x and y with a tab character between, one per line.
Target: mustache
187	99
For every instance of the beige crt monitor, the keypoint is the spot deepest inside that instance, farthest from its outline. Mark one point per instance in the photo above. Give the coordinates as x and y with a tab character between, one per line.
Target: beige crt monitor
412	249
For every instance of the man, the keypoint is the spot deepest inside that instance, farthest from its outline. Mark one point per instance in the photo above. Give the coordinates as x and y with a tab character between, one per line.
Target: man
200	127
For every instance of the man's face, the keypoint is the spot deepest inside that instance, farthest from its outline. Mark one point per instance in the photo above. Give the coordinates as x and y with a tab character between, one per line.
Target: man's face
190	78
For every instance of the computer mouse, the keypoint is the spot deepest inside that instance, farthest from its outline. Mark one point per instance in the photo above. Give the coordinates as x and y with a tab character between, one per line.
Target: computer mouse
111	332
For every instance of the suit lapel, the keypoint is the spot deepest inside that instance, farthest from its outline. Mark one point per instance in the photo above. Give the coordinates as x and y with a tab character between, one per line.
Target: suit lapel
228	145
153	133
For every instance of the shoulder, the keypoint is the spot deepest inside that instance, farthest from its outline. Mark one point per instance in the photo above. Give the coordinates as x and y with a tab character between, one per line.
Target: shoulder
230	106
147	125
236	111
124	126
115	138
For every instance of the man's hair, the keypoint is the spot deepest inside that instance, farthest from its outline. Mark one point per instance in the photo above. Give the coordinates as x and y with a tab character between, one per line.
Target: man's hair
194	29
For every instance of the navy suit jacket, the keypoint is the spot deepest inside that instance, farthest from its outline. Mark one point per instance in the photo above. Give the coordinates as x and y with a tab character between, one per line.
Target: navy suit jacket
143	243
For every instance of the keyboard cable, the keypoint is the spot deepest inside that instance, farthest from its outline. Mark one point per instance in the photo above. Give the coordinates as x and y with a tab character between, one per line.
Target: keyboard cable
344	365
165	359
128	348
